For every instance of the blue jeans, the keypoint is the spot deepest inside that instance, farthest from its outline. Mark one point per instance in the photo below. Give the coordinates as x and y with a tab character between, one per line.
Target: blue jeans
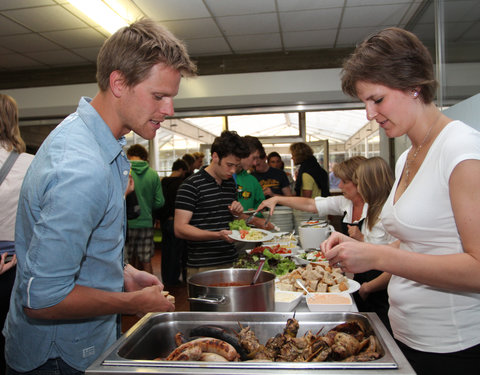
54	366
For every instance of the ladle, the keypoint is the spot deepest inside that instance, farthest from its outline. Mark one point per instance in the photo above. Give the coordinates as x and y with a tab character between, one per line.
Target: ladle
259	269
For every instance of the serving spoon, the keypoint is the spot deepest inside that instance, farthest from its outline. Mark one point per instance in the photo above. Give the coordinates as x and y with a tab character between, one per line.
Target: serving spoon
299	282
259	269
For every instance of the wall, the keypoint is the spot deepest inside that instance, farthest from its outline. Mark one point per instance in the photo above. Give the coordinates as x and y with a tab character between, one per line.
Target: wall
316	86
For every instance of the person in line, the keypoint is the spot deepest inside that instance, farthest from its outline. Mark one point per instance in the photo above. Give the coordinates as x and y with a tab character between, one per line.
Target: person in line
173	248
312	179
206	202
377	179
250	193
432	209
199	156
190	160
71	221
273	181
148	189
333	180
275	161
12	148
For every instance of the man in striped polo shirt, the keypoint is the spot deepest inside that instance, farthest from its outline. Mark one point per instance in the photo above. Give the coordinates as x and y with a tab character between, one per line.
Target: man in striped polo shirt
206	202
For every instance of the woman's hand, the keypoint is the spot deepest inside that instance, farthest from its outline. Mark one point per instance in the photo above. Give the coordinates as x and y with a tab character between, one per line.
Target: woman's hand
355	233
4	267
268	203
348	254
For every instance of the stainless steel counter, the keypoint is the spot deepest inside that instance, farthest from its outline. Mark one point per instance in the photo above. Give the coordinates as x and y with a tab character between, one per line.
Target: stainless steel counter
153	336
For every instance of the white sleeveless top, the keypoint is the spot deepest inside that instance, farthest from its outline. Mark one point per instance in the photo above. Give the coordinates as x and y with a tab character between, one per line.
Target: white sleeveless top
423	317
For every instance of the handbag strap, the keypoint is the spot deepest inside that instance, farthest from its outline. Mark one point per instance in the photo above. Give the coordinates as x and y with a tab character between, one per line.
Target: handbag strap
8	165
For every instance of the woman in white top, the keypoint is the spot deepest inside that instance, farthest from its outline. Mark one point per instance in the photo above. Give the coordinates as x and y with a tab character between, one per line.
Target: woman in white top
360	220
433	209
10	141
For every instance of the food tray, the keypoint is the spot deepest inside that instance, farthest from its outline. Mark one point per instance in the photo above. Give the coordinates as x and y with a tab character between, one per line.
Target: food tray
153	336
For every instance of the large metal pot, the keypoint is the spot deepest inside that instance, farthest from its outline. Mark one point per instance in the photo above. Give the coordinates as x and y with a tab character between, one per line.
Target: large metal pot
207	291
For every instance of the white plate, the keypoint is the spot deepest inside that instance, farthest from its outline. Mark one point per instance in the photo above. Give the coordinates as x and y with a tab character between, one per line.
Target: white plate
353	286
236	235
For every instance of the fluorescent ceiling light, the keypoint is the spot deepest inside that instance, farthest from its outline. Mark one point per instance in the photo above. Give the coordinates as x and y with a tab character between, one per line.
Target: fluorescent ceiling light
110	14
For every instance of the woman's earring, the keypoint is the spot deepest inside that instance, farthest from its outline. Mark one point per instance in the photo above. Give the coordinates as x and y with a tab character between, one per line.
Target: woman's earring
415	93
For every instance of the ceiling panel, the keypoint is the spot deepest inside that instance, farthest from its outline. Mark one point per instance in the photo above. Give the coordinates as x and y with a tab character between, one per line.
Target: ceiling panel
9	27
47	18
311	20
77	38
198	28
251	43
251	24
165	10
309	39
221	8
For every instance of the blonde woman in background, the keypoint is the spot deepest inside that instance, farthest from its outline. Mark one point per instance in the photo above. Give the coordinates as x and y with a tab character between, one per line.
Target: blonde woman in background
359	221
12	147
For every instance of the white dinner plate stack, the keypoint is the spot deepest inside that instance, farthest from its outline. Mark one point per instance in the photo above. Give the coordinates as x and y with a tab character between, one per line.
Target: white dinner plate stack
283	218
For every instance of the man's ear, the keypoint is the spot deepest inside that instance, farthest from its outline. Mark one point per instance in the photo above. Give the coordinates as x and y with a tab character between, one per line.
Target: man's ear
215	157
117	83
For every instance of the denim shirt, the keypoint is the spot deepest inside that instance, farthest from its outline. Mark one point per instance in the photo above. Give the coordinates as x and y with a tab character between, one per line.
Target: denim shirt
70	230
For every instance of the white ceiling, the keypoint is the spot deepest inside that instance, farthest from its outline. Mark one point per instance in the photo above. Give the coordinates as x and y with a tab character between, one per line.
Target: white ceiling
51	33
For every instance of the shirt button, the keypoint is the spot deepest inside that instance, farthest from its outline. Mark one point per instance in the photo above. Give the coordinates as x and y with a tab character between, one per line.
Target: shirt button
125	173
123	153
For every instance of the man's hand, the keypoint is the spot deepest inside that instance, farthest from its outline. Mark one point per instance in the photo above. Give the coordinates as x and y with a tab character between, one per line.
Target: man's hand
224	235
137	280
236	208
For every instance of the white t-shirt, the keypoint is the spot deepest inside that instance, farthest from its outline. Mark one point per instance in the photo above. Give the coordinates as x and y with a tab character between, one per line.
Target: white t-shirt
10	191
423	317
338	205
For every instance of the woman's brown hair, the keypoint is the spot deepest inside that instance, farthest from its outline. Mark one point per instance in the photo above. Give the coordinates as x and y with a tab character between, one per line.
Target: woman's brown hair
374	180
395	58
345	170
301	152
9	130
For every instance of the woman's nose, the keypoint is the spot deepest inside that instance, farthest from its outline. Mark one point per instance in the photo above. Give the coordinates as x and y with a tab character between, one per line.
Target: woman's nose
371	113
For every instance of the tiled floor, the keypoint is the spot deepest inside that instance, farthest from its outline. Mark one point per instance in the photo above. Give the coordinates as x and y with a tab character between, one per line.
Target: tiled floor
179	292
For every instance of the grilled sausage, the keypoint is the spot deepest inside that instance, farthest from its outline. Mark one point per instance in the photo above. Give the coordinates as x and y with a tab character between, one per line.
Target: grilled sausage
206	344
221	334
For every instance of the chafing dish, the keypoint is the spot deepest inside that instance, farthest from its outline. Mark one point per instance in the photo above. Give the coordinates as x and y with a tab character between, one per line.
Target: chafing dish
153	336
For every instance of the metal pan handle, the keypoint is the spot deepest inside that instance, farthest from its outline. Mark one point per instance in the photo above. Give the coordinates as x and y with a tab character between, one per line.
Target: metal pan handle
222	300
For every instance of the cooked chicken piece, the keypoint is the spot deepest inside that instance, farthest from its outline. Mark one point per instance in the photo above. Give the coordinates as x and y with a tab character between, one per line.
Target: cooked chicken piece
345	346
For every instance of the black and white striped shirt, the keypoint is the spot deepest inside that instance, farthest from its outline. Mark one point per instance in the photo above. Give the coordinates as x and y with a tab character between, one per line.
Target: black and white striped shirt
208	201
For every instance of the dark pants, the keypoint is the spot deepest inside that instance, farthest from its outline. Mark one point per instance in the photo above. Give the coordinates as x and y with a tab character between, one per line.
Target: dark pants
6	284
464	362
173	249
52	367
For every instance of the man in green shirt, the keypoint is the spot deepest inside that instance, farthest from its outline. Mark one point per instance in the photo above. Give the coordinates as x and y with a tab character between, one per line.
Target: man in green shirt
148	188
249	190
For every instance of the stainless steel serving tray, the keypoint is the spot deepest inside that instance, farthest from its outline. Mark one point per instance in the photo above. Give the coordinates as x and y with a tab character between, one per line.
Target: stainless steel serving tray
153	337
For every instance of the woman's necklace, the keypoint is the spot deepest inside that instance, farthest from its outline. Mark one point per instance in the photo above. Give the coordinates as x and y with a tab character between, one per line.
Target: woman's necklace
409	162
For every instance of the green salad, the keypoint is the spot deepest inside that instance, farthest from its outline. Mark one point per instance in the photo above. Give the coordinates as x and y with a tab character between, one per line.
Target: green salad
238	224
274	263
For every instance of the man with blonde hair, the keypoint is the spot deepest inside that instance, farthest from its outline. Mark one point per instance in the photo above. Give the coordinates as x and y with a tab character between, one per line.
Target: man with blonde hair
70	231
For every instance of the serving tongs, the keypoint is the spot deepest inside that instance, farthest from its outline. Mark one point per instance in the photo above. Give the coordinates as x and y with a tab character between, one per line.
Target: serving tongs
252	214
